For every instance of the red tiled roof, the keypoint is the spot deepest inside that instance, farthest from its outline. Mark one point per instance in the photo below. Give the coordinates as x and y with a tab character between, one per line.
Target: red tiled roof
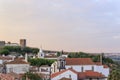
79	61
92	74
58	73
81	75
6	77
17	61
105	66
51	57
5	58
98	63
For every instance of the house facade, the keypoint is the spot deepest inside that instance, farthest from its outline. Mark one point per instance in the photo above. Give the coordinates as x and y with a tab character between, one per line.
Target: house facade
17	66
71	74
81	65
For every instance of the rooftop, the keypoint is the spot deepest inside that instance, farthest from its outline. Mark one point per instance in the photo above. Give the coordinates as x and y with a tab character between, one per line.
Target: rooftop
81	75
79	61
58	73
17	61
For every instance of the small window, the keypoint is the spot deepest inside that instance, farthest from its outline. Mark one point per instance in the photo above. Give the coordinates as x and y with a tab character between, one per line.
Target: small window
69	76
92	68
82	68
62	64
11	69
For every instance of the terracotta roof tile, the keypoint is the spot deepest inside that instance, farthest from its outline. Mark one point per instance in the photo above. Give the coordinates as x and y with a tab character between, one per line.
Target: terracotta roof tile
17	61
105	66
92	74
58	73
51	57
5	58
98	63
81	75
6	77
79	61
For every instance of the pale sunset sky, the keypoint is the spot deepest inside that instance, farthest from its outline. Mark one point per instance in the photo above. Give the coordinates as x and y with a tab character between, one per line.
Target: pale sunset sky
69	25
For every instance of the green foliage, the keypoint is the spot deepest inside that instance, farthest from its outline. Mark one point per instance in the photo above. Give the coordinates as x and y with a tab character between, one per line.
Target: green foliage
18	49
4	51
95	58
84	55
35	50
107	61
38	62
58	54
31	76
114	75
27	50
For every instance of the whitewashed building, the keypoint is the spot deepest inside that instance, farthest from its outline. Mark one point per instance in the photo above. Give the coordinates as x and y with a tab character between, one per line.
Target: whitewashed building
70	74
5	59
17	66
81	65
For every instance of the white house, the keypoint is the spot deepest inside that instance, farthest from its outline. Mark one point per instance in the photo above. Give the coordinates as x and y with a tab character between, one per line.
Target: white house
68	73
17	66
5	59
80	65
45	70
71	74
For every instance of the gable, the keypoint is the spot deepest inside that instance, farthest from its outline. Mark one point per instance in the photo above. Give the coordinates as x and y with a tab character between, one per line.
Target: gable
64	72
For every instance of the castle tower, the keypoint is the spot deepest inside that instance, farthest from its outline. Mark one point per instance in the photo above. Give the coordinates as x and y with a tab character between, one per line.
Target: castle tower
23	43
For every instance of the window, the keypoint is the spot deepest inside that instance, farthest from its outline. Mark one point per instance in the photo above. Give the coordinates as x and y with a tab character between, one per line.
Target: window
82	68
92	68
69	76
62	64
11	69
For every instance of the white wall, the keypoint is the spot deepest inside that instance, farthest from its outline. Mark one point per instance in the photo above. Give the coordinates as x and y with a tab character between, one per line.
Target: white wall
66	75
97	68
17	68
1	61
54	67
102	70
78	68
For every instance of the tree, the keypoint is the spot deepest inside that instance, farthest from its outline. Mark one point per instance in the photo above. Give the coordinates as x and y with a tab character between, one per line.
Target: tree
38	62
18	49
4	51
27	50
31	76
115	75
58	54
35	50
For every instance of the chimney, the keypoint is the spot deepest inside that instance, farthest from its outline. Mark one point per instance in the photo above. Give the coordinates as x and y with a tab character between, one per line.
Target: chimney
13	58
26	57
101	57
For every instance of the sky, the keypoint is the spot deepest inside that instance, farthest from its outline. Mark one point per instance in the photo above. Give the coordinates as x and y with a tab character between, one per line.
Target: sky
69	25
